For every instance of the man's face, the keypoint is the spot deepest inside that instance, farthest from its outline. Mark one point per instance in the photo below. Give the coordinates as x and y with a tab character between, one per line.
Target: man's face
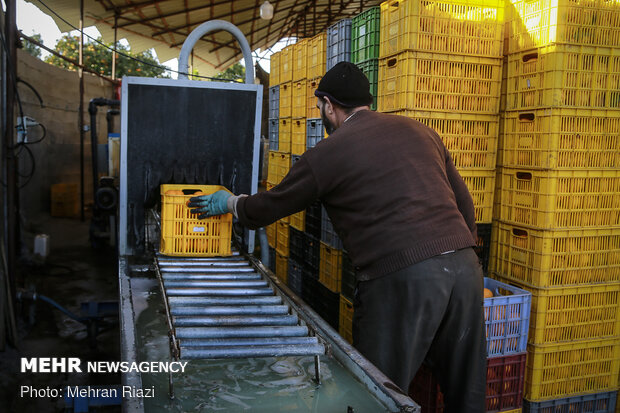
327	124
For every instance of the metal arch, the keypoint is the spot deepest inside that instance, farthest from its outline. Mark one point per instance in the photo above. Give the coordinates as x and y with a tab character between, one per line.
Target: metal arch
208	27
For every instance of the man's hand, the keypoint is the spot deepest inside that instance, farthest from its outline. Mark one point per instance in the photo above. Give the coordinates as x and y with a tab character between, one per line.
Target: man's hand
210	205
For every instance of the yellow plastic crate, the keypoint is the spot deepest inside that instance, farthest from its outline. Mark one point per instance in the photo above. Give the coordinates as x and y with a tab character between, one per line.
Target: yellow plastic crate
511	411
284	135
558	258
182	233
283	165
504	86
560	198
300	91
481	185
282	238
272	168
567	314
271	230
312	112
286	65
466	27
536	23
439	82
471	139
345	324
298	220
556	138
564	76
281	267
272	234
316	55
286	100
564	370
64	200
300	57
330	267
274	68
298	136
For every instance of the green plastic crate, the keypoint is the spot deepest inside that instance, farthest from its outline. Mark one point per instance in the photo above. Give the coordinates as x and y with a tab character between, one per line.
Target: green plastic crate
371	70
365	32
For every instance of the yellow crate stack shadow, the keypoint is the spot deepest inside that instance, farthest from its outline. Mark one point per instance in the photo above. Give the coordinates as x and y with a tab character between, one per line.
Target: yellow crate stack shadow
556	229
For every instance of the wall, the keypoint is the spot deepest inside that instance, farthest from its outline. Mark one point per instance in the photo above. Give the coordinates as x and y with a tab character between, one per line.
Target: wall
57	157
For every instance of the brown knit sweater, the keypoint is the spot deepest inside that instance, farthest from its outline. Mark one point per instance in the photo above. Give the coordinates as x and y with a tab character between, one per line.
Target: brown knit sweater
389	186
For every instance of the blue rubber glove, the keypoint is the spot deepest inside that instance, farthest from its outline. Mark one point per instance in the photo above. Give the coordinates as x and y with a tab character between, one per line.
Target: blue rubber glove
210	205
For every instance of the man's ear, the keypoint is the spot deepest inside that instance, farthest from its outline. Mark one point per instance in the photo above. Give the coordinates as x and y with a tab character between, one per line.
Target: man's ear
329	107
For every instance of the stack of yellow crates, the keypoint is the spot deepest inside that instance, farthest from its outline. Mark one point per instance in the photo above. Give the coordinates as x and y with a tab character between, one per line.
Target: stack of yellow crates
440	62
557	228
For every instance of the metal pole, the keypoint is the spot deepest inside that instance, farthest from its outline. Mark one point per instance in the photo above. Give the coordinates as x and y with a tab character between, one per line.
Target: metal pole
114	52
81	108
12	192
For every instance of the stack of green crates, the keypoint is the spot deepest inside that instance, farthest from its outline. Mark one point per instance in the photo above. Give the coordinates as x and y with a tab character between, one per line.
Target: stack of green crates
365	32
557	227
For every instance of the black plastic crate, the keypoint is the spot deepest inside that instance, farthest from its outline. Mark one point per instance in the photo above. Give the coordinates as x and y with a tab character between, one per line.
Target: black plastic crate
296	244
274	101
483	245
313	220
310	272
273	134
312	252
272	259
295	274
348	277
328	233
329	306
321	300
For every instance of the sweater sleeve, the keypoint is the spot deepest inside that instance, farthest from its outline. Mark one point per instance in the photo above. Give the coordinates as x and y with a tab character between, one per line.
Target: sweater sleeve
463	198
297	190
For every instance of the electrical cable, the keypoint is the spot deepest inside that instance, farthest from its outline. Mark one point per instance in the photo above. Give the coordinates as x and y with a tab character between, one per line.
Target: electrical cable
123	54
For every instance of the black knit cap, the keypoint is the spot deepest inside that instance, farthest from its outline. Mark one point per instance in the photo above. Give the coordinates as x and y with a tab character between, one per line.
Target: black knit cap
346	85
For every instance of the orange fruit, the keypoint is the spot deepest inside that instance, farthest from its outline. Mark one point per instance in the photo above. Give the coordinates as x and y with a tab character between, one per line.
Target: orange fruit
488	293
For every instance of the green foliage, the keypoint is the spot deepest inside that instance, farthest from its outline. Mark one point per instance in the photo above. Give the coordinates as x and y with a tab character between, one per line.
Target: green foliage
235	72
99	59
32	48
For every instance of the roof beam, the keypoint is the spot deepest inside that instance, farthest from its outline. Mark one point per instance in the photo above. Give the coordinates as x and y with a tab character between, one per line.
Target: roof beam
185	26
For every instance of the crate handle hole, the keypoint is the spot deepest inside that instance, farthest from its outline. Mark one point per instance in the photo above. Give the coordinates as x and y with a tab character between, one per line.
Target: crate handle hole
519	233
190	191
529	117
391	62
395	4
526	176
531	56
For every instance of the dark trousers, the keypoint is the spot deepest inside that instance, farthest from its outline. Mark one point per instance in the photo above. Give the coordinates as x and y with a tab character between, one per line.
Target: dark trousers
431	310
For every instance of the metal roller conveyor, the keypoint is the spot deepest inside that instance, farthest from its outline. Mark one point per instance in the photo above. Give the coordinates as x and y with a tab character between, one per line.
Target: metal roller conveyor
182	301
239	332
267	320
230	310
210	277
217	284
195	291
256	341
257	351
225	308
